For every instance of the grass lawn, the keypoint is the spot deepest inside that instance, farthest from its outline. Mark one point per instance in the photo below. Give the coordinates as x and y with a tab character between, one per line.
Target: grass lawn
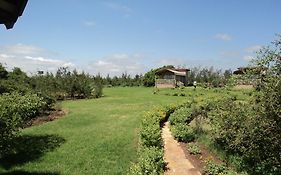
97	136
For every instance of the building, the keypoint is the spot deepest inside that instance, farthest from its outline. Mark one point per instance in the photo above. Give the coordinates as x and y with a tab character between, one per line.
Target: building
171	78
10	10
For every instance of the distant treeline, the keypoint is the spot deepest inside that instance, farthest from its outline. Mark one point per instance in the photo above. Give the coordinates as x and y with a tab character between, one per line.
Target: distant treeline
206	77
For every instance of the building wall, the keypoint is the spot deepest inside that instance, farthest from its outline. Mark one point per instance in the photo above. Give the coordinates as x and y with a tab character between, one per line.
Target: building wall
165	83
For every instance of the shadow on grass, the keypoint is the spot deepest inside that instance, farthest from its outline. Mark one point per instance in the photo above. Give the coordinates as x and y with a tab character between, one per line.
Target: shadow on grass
27	173
30	148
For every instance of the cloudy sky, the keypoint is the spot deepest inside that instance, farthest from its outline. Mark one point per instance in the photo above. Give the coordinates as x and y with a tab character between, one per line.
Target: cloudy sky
133	36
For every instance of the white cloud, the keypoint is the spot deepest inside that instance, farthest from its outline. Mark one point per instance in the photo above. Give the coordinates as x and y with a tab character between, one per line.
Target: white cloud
248	57
171	61
89	23
22	49
253	49
223	37
30	58
119	8
117	64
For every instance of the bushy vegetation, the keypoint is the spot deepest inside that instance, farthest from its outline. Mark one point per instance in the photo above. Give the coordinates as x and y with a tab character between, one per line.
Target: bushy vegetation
253	131
193	148
15	110
244	128
24	97
151	151
125	80
209	77
67	84
179	121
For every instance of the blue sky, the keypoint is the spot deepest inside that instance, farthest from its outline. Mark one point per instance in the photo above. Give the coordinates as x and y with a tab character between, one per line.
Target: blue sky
134	36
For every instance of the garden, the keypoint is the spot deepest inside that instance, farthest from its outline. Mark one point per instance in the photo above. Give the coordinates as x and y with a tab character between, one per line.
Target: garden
117	130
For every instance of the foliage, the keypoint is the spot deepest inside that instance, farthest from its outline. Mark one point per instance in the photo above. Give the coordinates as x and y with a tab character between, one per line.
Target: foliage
150	162
253	130
181	115
213	168
125	80
193	148
179	121
209	77
183	132
15	110
150	159
150	133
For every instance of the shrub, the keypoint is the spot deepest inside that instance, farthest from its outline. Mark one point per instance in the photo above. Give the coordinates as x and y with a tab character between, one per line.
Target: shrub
246	130
213	168
150	162
193	148
150	159
183	132
181	115
150	134
96	90
15	110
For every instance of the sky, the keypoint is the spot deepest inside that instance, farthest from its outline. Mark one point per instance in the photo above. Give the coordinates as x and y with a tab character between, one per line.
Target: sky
133	36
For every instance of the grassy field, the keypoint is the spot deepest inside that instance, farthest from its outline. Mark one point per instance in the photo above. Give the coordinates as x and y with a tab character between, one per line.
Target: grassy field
97	136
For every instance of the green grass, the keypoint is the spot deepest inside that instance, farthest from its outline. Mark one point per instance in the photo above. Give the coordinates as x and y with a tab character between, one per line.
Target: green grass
97	136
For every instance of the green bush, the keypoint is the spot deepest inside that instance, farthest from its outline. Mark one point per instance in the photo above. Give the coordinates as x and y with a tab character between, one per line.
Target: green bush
96	90
183	132
193	148
181	115
247	131
213	168
15	110
150	134
150	162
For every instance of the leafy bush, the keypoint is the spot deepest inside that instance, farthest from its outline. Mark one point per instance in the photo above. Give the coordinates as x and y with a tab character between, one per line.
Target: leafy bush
181	115
246	130
183	132
151	132
193	148
15	110
150	162
213	168
96	90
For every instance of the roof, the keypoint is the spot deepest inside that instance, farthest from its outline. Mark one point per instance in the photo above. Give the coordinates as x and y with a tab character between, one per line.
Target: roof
243	70
180	72
10	10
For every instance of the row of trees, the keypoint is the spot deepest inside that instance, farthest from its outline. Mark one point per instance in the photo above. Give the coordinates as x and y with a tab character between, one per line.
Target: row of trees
61	85
123	80
207	77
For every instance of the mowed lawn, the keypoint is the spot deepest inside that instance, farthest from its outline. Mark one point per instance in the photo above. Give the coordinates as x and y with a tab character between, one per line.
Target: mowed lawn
97	136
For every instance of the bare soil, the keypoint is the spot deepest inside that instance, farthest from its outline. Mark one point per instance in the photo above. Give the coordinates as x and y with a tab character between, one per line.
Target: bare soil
47	117
199	160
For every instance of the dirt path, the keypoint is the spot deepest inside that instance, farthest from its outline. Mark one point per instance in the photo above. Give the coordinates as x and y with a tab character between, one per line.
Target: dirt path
178	164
